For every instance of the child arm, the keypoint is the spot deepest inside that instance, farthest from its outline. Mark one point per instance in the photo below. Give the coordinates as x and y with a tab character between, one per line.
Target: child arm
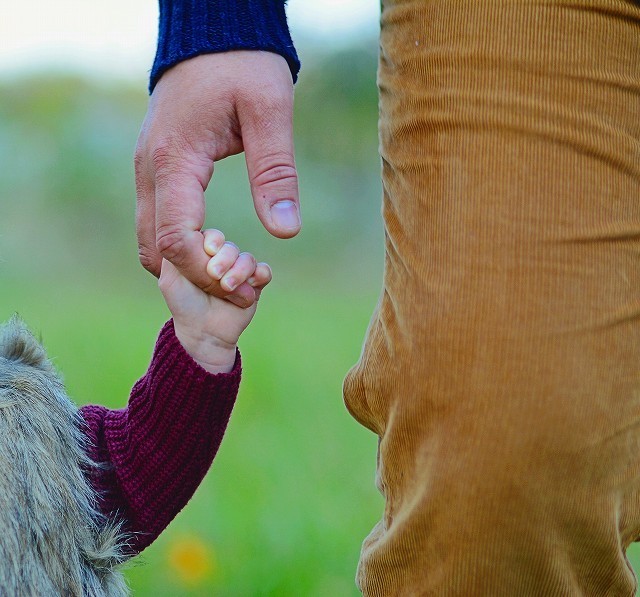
159	448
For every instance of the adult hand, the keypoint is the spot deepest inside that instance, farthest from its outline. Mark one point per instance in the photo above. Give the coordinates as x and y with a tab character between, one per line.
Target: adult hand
201	111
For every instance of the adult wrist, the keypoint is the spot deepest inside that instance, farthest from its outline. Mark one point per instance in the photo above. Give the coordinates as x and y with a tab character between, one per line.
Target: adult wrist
188	28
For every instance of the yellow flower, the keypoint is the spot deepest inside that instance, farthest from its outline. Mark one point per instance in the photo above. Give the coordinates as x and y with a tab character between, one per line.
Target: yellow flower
192	560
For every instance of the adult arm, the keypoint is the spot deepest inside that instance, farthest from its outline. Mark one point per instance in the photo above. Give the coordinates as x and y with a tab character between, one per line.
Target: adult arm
222	83
156	451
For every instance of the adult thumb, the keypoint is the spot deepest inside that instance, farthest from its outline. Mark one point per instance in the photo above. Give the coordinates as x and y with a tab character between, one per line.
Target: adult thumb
267	137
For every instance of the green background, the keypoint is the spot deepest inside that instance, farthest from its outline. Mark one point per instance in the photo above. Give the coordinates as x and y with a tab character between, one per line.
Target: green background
291	494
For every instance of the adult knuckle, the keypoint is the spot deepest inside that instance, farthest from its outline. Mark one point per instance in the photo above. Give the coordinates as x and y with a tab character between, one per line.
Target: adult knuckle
143	178
273	104
169	153
275	169
147	259
170	241
163	156
266	99
139	160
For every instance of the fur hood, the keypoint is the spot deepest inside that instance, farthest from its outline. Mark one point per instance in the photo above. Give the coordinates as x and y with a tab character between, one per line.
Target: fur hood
53	541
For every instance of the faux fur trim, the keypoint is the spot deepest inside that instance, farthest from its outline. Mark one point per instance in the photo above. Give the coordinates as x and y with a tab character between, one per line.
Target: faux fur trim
53	540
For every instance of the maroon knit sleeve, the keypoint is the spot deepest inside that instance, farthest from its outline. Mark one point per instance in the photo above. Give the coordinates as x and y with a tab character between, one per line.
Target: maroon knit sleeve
156	451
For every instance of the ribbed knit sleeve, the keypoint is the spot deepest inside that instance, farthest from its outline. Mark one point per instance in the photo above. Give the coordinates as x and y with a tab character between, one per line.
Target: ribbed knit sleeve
157	450
191	27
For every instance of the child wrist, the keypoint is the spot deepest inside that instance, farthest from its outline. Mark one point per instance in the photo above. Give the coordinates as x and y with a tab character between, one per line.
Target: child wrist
212	353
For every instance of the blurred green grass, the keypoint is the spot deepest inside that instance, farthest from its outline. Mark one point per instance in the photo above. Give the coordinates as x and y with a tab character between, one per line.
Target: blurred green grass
291	493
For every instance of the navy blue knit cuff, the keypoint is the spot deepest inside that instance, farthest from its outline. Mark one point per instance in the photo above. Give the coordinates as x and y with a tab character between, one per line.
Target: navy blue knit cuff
189	28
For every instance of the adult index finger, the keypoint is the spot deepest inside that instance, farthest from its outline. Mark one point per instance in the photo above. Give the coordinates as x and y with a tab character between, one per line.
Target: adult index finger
180	211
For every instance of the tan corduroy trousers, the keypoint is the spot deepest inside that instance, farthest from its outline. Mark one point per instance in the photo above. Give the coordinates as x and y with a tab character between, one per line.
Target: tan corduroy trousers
501	370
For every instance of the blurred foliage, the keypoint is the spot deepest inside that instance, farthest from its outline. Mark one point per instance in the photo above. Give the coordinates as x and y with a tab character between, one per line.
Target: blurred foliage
337	108
66	148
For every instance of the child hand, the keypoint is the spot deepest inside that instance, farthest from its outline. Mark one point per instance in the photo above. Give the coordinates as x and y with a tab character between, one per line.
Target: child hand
206	326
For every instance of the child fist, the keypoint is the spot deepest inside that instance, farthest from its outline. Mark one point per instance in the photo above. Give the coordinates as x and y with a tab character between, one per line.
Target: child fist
206	326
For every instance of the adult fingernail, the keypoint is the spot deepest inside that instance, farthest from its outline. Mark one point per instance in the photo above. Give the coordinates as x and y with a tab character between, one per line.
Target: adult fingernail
285	215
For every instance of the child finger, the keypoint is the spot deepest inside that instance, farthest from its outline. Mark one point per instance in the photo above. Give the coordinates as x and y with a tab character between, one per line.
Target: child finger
223	260
261	277
243	268
213	241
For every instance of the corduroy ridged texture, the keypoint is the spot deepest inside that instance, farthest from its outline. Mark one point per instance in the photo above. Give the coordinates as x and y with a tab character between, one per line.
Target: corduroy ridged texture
501	370
189	28
158	449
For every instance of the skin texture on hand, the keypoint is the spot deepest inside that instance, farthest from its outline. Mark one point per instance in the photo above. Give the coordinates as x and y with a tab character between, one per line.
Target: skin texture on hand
208	327
203	110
